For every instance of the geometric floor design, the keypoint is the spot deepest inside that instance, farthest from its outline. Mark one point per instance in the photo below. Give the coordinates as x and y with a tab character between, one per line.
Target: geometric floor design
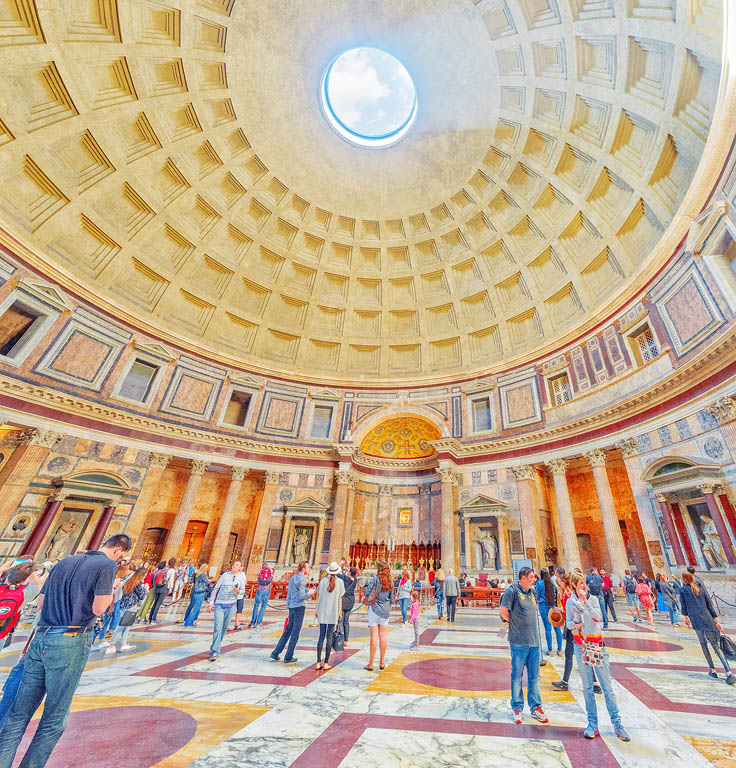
445	705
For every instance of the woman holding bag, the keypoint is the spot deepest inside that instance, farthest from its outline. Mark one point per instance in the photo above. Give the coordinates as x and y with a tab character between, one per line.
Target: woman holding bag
377	596
644	593
590	654
329	612
133	595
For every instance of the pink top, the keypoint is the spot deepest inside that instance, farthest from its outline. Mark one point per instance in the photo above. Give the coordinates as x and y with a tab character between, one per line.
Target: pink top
414	611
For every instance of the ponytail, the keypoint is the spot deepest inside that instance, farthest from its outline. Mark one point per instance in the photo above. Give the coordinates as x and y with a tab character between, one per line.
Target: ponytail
331	585
688	579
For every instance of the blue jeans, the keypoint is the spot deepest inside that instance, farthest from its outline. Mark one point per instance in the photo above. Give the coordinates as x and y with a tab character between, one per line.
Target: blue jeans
195	606
116	616
440	605
290	634
54	663
603	674
259	606
404	603
525	656
673	614
105	620
223	616
543	611
602	603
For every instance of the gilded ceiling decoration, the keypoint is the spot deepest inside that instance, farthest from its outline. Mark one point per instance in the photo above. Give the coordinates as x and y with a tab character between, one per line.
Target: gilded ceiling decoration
172	157
408	437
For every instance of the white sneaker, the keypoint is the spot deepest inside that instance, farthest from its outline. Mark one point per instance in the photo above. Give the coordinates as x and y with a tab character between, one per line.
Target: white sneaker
110	650
127	647
103	644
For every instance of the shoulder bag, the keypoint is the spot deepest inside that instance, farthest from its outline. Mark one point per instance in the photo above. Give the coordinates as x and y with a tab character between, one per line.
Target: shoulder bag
369	598
592	653
727	646
338	640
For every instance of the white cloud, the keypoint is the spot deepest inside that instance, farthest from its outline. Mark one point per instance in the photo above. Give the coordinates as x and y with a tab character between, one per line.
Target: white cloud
354	85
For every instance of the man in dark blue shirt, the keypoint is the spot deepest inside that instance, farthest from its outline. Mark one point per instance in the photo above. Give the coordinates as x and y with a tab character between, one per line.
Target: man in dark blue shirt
595	587
77	591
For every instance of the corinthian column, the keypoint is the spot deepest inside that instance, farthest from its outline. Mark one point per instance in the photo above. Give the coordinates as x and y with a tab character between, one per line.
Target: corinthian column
30	447
644	507
226	519
344	479
717	518
263	523
179	526
619	560
449	479
558	467
525	485
669	525
157	463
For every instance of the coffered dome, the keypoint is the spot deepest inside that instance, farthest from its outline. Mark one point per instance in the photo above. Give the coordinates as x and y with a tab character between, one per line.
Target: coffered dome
171	162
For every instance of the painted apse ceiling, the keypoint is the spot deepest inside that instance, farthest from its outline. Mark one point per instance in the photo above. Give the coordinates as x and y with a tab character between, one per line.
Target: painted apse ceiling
170	161
408	437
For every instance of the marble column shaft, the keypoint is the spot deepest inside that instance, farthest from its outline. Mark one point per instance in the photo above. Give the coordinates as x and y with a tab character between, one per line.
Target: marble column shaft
564	514
448	478
619	560
30	448
669	525
36	537
344	478
99	533
157	463
525	487
227	516
179	526
348	535
263	523
717	517
643	502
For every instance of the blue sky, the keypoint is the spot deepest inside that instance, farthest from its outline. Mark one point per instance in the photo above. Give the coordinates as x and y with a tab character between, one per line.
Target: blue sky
370	91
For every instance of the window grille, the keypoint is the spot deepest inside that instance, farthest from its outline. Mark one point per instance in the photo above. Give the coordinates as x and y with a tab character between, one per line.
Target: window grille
561	392
648	347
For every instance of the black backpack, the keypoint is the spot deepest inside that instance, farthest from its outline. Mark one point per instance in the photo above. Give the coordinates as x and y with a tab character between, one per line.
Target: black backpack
630	585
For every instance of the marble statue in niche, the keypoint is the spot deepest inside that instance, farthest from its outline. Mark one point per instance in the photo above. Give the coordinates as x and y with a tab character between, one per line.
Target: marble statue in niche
62	540
486	549
711	544
300	545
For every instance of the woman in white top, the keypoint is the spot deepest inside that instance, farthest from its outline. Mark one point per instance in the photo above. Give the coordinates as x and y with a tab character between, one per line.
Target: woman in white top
329	611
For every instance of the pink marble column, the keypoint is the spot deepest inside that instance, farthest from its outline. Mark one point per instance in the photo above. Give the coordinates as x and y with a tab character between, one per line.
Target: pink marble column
669	525
715	514
99	534
33	542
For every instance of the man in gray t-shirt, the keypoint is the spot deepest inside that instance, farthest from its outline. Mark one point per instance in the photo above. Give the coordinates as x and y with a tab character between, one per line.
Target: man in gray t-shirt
519	608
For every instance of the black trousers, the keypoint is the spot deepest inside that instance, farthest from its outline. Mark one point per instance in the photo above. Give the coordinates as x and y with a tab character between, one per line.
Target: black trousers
345	621
451	605
610	603
326	631
569	654
160	596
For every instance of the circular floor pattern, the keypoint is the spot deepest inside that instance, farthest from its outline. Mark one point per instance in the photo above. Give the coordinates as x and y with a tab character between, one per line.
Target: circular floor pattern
635	644
107	736
461	674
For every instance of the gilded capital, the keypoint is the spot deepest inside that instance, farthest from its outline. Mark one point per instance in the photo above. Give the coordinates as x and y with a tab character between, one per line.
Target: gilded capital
272	477
46	438
720	490
199	467
344	476
661	497
525	472
557	466
239	473
159	460
448	475
628	447
723	410
706	488
596	457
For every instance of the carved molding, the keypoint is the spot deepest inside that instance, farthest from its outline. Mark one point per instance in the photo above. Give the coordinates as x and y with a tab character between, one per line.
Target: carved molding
720	490
448	475
46	438
272	477
525	472
661	497
557	466
628	447
723	410
344	477
159	460
707	488
596	457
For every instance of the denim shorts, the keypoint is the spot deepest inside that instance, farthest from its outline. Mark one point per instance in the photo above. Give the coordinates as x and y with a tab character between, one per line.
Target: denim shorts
374	620
632	599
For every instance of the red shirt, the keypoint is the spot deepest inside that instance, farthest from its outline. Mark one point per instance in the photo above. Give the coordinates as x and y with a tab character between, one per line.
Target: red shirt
607	583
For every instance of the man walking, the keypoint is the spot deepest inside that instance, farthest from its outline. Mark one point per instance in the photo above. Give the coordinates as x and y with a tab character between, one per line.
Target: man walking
230	586
608	597
519	609
77	592
632	599
595	587
297	595
452	592
265	577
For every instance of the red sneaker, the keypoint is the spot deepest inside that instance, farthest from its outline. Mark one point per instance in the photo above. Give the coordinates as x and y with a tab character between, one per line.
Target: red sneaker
517	717
538	714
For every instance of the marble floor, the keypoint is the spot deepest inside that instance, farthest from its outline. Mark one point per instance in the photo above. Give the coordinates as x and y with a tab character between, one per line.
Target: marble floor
446	704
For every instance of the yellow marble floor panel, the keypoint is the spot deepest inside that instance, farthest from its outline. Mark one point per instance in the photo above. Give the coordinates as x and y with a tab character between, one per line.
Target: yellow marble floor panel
392	680
721	753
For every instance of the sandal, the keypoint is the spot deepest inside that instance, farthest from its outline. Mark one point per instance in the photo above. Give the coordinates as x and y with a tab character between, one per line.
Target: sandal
382	666
369	669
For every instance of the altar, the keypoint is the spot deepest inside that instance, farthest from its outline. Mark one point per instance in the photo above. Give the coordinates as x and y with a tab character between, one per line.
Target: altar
486	536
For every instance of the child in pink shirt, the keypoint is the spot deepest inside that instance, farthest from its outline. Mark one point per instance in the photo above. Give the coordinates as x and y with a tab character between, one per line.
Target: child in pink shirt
414	619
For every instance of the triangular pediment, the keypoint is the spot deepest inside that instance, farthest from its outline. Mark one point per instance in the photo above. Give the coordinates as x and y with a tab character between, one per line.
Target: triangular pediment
46	293
244	380
480	385
482	501
325	394
158	350
308	502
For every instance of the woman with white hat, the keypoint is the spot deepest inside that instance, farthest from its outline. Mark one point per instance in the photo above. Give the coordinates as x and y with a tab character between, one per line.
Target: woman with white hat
329	611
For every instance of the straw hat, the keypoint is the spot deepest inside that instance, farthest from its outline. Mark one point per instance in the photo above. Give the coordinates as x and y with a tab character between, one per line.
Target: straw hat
556	617
334	569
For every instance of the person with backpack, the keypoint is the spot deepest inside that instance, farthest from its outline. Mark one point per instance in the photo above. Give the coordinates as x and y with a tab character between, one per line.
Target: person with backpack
265	579
297	595
632	599
11	598
160	588
201	589
133	592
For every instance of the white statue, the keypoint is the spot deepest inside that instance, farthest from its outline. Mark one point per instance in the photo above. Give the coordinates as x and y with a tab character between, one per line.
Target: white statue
300	546
61	540
711	544
486	549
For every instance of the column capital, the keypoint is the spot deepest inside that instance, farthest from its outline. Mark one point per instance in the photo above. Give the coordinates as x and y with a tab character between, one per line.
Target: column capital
596	457
723	410
239	473
557	466
661	497
272	477
198	466
448	475
344	477
58	494
525	472
707	488
628	447
384	490
720	490
159	460
110	503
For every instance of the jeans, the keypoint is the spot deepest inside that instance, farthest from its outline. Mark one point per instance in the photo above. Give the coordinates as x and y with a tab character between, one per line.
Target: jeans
404	603
195	606
54	664
158	599
529	657
116	616
588	675
224	613
602	603
325	631
451	605
712	636
121	633
290	634
104	623
673	614
440	605
610	600
259	606
543	611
